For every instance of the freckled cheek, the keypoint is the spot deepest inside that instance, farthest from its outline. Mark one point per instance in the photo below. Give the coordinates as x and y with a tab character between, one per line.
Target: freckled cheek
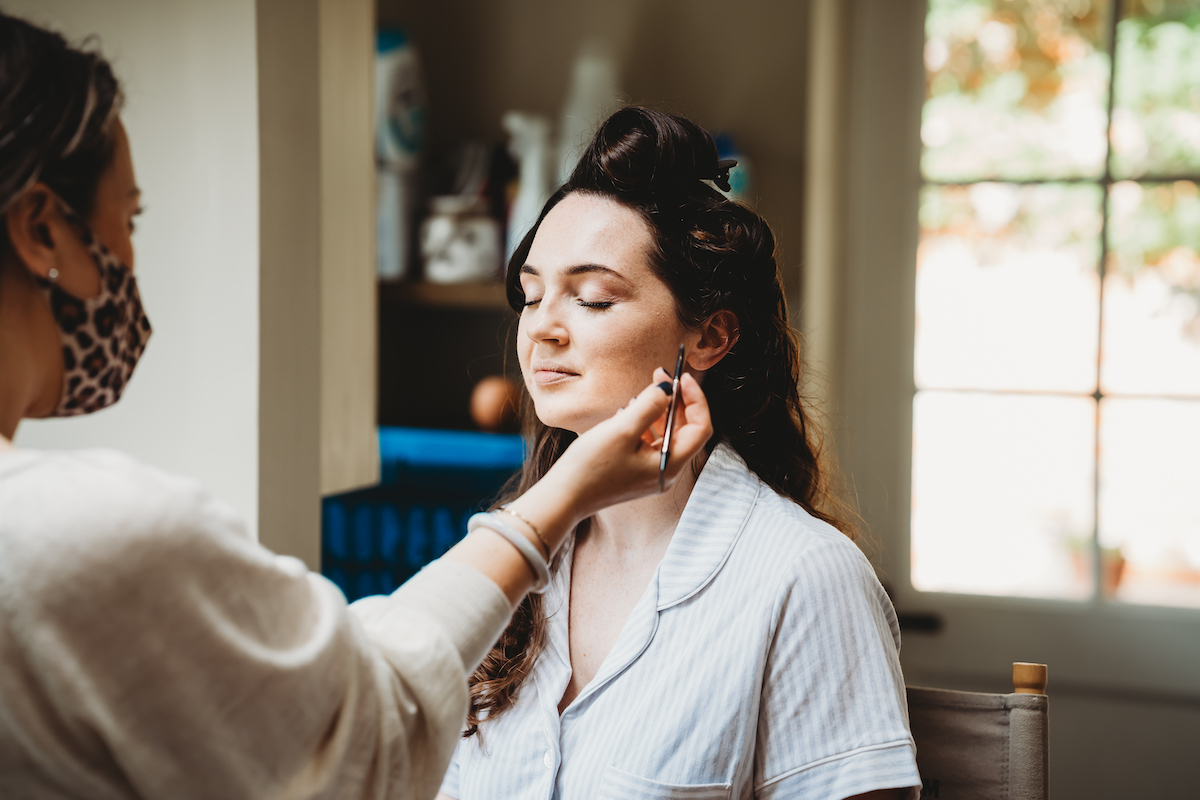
620	358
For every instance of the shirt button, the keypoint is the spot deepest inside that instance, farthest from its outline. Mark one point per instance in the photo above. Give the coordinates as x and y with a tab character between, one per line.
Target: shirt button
549	759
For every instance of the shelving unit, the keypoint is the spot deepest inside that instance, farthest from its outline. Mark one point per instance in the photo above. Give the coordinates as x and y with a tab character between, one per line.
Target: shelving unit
447	295
433	481
436	341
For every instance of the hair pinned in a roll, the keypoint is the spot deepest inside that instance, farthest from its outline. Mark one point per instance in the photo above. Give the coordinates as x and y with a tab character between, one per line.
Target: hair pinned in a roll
644	150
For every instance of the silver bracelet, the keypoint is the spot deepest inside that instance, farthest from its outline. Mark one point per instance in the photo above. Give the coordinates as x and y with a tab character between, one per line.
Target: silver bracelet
530	553
507	509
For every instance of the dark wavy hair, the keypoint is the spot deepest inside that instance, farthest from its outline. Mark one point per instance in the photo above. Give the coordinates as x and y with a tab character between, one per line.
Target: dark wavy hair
58	107
714	254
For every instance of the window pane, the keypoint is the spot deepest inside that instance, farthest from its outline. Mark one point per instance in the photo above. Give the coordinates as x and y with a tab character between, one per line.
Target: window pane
1015	89
1007	291
1152	290
1150	498
1003	494
1156	109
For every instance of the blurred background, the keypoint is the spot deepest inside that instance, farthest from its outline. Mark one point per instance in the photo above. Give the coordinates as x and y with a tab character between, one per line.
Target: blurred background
492	103
989	229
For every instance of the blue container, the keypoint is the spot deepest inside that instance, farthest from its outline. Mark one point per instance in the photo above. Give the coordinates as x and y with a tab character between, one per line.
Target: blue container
372	540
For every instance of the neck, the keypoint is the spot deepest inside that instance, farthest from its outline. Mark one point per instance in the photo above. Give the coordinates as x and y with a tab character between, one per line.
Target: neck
28	350
649	522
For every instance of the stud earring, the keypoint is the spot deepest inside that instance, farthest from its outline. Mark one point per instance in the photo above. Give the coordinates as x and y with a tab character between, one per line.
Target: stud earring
52	275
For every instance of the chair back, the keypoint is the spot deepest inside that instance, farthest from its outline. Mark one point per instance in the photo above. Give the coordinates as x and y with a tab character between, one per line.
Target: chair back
978	746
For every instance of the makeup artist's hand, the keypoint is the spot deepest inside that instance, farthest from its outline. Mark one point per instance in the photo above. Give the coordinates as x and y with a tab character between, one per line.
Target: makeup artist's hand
615	461
618	459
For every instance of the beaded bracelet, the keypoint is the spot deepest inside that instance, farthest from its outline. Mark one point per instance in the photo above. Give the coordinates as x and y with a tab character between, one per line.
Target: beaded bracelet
493	523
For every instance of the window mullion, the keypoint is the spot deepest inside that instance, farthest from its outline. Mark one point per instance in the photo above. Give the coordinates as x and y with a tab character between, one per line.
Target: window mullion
1105	185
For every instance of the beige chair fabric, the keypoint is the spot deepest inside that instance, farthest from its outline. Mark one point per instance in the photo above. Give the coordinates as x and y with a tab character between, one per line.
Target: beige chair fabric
973	746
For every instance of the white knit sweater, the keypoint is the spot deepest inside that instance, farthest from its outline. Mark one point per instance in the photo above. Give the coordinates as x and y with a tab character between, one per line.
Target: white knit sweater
150	649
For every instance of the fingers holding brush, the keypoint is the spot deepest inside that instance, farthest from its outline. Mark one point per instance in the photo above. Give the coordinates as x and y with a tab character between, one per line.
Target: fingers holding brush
653	435
615	461
692	428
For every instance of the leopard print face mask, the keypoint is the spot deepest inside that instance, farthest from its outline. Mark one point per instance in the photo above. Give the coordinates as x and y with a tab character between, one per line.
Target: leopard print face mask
102	336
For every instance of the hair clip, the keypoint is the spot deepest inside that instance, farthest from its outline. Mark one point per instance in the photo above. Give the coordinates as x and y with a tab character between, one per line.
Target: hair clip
721	178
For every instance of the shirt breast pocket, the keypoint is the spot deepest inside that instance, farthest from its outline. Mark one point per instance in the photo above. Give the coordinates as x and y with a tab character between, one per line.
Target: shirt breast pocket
617	784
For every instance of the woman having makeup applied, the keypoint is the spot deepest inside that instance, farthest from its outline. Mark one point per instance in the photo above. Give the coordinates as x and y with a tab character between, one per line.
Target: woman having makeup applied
723	639
148	647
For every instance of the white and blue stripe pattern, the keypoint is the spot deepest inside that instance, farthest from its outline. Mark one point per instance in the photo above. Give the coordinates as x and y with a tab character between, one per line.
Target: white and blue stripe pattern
762	662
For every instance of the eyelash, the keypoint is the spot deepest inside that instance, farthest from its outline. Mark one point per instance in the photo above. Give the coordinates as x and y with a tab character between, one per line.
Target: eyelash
602	305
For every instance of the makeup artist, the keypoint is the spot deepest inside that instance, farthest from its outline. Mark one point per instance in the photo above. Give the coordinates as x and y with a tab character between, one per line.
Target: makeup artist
148	647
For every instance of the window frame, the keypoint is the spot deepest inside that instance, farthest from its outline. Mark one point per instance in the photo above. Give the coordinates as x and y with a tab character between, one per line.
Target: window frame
1143	652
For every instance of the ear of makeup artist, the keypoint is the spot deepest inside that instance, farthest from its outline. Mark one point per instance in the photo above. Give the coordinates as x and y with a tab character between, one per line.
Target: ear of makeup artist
148	647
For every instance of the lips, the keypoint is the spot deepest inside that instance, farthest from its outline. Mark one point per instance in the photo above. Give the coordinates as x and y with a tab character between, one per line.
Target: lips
550	374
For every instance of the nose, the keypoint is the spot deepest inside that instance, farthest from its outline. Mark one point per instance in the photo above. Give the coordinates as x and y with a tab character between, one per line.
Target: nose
544	323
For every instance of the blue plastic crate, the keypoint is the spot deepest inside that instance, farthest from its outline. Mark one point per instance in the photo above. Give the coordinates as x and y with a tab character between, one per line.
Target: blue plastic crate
372	540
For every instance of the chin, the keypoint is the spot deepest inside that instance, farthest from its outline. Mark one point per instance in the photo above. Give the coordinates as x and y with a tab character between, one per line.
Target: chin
554	415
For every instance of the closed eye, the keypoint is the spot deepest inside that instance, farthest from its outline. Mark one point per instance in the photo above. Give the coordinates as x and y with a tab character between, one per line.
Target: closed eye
602	304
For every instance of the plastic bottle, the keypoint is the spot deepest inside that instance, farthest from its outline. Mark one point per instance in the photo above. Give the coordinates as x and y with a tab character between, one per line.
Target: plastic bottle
593	95
399	139
529	145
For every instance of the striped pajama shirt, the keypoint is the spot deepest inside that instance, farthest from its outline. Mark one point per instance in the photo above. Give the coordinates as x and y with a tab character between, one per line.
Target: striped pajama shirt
761	661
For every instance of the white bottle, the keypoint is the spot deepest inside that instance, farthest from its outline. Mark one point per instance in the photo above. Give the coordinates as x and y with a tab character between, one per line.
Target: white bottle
399	138
593	96
529	145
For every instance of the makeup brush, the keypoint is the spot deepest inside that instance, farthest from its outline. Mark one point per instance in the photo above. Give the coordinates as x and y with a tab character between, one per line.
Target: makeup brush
666	447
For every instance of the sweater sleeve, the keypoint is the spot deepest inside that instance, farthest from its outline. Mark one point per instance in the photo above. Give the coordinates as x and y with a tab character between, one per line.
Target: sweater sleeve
464	603
182	660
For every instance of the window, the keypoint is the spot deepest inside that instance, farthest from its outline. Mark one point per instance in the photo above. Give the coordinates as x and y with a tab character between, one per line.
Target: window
1056	415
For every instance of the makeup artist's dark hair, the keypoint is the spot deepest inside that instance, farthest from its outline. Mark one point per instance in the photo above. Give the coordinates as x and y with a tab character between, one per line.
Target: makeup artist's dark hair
58	105
714	254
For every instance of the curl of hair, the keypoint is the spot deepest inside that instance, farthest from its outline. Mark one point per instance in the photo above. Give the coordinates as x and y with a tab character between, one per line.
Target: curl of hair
714	254
58	105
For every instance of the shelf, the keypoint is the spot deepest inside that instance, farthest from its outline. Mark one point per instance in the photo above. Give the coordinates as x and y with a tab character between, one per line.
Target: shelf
422	448
451	295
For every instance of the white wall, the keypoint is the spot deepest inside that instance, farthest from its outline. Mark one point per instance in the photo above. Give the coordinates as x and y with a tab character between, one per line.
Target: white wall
189	72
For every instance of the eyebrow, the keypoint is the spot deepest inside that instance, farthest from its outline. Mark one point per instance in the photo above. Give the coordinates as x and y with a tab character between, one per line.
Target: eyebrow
578	269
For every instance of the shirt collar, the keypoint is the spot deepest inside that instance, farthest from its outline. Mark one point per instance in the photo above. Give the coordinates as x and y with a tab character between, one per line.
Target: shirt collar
713	519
